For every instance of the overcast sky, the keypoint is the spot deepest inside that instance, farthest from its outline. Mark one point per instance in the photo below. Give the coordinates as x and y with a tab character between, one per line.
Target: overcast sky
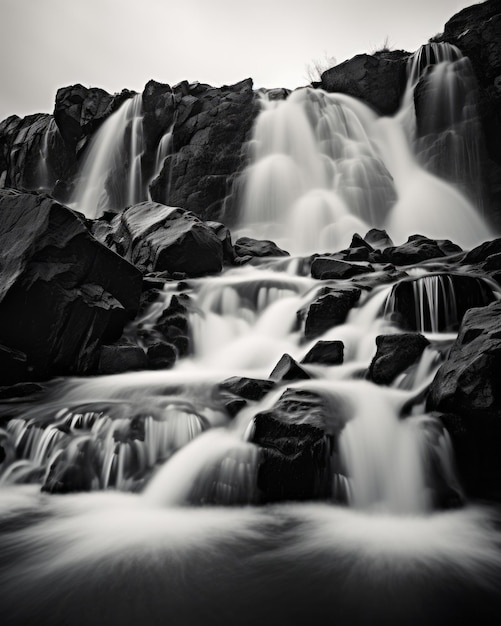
116	44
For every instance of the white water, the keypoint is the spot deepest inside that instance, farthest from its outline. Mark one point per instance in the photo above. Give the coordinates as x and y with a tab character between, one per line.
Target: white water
111	177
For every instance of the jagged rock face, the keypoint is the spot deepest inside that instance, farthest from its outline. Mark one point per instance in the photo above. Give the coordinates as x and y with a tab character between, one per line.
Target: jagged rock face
61	292
80	111
210	130
155	237
466	389
33	154
379	79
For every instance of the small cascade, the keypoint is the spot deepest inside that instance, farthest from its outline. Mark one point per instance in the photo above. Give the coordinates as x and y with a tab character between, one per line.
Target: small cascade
111	174
163	151
45	177
442	119
436	303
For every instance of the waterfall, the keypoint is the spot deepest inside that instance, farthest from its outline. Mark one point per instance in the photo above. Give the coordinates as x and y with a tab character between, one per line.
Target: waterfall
325	165
111	176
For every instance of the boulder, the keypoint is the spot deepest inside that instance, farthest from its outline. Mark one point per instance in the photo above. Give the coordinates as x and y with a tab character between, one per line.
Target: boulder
119	358
325	353
288	369
324	267
378	79
62	293
155	237
482	252
395	353
161	355
330	308
466	390
248	247
79	111
173	323
416	250
248	388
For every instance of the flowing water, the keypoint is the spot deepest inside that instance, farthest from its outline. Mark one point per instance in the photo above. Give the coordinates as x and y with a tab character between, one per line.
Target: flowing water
152	509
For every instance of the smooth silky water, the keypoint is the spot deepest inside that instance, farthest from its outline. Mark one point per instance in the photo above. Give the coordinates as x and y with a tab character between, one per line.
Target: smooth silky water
170	529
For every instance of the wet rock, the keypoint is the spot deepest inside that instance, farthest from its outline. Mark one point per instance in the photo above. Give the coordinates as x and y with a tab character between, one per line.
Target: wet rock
379	79
173	323
467	387
379	239
79	111
329	309
325	353
482	252
288	369
324	268
120	358
33	155
395	353
62	293
224	235
211	128
248	388
416	250
155	237
246	246
161	355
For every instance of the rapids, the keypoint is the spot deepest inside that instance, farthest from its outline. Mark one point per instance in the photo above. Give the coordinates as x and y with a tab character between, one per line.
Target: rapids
171	527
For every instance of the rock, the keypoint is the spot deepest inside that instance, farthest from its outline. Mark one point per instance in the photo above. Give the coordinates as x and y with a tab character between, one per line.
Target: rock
248	388
62	293
158	238
395	353
161	355
13	366
325	353
173	323
288	369
33	155
466	389
416	250
379	79
436	302
80	111
324	267
159	104
224	235
116	359
379	239
246	246
212	126
329	309
482	252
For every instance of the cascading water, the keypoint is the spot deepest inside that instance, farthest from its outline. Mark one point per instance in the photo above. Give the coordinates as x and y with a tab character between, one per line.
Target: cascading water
377	546
325	165
111	176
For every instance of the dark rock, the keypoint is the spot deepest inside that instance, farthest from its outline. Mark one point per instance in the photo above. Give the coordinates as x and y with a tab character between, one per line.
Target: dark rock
210	131
395	353
379	239
224	235
80	111
33	154
116	359
416	250
232	404
483	252
466	389
324	268
246	246
173	323
162	355
288	369
248	388
327	310
436	302
379	80
158	238
62	293
21	390
13	366
325	353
